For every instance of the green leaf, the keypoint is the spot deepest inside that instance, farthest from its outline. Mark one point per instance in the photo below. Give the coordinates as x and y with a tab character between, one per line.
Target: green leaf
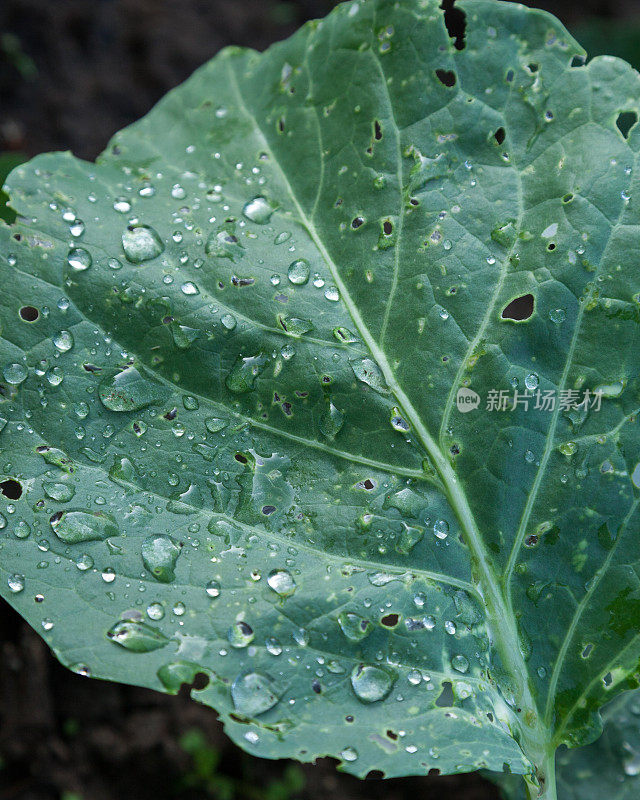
8	161
607	768
275	327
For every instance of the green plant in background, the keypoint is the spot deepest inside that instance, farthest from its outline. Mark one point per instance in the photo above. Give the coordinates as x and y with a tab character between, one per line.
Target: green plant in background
610	37
8	161
270	415
206	775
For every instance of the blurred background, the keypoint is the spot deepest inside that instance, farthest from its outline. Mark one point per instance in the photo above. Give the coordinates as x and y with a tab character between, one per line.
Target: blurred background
72	73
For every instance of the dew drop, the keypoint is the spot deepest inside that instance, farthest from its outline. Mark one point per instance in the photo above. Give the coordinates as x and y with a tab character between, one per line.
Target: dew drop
353	626
460	663
141	243
372	683
79	259
159	555
253	694
15	374
240	634
15	583
281	582
63	341
258	210
298	272
136	636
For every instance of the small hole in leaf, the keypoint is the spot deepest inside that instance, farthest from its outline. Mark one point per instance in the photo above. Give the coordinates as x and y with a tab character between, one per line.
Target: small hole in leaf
171	414
315	685
509	76
531	540
377	131
455	21
267	510
607	680
356	222
390	620
11	488
499	135
29	313
578	61
241	458
387	227
533	67
200	681
519	309
414	201
626	120
551	246
446	695
587	651
91	368
433	772
392	735
281	125
446	77
349	718
567	198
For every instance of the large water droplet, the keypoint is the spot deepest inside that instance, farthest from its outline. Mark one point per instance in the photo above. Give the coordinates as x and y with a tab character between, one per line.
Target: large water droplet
62	492
441	528
367	371
240	634
281	582
244	372
295	326
15	583
253	694
215	424
79	259
137	636
372	683
354	627
331	421
127	390
408	538
15	374
223	243
258	210
159	555
63	341
83	526
298	272
141	243
460	663
349	754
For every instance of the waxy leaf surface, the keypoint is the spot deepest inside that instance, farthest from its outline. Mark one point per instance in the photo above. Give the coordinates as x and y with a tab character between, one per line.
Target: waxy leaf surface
234	438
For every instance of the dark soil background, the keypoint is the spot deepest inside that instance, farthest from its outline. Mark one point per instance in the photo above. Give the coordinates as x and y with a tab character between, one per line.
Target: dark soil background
72	72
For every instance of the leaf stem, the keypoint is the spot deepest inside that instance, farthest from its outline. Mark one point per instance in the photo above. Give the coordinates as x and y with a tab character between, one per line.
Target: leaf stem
545	788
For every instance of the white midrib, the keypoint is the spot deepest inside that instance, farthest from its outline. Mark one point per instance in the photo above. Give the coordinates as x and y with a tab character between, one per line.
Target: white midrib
534	740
